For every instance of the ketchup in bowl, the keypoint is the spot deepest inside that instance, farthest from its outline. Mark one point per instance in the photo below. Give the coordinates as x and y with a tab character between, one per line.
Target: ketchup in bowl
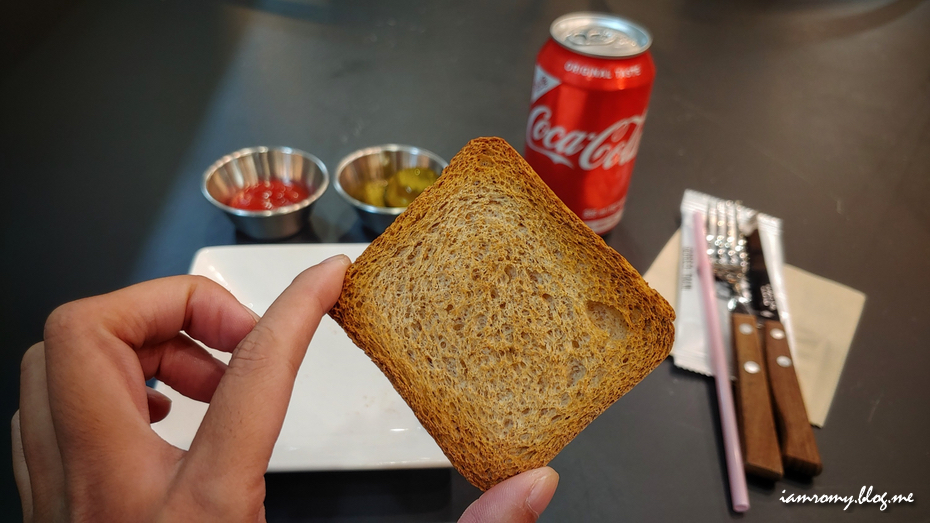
267	195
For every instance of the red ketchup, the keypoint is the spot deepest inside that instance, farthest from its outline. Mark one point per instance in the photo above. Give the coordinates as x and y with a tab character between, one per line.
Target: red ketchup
268	195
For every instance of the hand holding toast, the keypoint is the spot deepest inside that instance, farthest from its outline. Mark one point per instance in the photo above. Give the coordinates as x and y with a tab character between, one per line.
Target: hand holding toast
83	448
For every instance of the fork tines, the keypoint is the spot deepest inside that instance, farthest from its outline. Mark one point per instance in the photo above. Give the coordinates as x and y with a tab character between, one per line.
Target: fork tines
726	245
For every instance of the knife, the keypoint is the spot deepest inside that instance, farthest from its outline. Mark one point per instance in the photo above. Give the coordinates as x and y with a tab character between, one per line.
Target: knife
798	446
761	451
758	436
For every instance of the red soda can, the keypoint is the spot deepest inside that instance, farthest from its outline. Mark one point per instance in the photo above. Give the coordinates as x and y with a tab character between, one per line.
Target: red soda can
590	93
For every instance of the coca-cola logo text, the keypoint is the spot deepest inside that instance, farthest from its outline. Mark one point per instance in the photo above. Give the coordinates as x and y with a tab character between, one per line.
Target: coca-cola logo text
614	146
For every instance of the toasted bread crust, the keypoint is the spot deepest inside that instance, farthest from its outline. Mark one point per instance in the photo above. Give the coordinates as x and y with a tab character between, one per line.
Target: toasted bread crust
503	321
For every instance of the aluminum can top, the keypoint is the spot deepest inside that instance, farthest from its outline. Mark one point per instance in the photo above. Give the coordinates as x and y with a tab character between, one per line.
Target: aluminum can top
601	35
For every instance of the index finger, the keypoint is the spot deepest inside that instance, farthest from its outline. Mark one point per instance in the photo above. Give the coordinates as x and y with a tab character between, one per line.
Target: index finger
244	419
95	378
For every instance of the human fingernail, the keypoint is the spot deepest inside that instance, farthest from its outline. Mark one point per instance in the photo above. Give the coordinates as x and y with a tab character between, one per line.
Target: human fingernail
339	258
157	396
252	313
542	490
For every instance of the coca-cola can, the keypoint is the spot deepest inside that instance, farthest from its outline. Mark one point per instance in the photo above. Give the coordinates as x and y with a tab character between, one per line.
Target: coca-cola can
588	105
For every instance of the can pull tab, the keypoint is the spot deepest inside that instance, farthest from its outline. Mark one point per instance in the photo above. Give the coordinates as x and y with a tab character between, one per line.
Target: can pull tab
598	36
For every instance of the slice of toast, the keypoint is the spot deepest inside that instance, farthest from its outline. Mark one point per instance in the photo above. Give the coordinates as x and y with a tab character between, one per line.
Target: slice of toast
504	322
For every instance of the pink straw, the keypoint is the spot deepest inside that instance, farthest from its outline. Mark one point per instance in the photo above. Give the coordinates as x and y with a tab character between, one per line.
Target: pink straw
738	491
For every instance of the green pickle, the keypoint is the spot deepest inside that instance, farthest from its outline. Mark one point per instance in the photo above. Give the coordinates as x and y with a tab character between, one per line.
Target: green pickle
407	184
398	190
373	193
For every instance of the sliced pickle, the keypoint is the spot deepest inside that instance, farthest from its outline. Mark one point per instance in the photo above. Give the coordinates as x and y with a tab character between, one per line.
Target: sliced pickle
372	193
407	184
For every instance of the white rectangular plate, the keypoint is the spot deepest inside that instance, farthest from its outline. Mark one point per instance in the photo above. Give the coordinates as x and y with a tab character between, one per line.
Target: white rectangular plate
344	414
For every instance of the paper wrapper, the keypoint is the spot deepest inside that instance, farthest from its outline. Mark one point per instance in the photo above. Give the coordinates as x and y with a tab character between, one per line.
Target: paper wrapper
820	316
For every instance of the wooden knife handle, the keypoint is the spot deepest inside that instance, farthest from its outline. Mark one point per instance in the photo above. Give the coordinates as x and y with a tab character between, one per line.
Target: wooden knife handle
761	454
798	446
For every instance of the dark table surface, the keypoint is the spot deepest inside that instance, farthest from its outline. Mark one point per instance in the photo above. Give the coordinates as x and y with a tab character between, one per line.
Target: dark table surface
814	111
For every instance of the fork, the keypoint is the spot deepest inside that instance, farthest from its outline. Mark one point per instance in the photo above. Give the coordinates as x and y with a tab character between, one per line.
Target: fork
726	248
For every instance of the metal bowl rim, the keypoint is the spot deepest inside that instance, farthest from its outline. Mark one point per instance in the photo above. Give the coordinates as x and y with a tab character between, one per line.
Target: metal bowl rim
389	147
287	209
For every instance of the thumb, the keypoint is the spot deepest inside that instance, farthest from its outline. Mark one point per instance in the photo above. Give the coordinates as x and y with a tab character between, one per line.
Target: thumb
520	499
245	415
